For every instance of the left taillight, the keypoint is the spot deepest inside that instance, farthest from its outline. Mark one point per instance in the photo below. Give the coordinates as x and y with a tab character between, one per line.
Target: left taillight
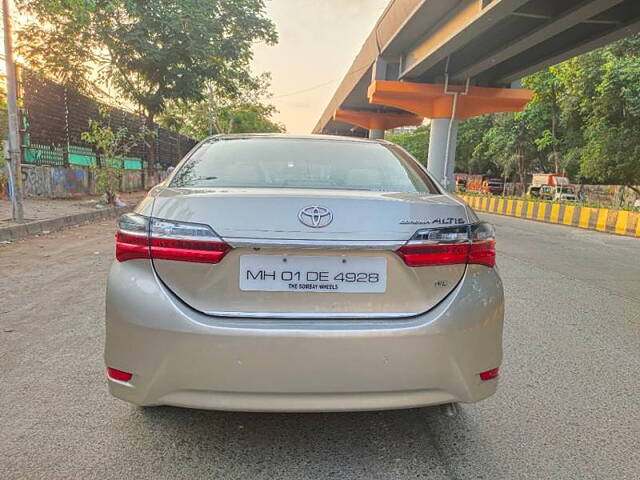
185	242
132	237
144	237
465	244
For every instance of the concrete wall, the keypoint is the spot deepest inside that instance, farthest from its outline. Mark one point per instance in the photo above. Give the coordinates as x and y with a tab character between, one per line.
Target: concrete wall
43	181
56	182
4	186
608	194
131	180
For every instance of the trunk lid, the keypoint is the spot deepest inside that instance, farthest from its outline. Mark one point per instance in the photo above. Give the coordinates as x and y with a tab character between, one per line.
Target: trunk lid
266	222
273	213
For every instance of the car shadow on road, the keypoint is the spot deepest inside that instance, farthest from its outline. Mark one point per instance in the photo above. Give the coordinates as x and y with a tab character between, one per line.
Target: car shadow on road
314	445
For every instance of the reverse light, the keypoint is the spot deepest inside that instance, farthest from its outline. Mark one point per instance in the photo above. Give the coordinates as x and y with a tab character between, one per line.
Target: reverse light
144	237
490	374
119	375
467	244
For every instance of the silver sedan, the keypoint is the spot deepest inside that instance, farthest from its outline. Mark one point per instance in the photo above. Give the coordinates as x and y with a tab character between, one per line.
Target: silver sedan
281	273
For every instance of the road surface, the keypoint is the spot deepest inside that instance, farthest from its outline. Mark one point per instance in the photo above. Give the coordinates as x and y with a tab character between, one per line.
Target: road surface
568	405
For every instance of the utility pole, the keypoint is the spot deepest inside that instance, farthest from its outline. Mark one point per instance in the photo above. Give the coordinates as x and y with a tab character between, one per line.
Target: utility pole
14	133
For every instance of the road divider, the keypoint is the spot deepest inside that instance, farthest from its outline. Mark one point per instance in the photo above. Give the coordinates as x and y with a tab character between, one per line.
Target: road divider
619	222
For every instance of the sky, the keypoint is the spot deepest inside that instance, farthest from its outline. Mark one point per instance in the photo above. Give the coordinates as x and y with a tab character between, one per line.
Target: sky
319	40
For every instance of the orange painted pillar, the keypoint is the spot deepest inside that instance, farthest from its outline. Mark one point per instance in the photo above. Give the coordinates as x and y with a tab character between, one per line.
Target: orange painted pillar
431	101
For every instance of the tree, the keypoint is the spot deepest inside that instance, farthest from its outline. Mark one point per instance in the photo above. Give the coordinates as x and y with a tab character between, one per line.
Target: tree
415	142
151	52
545	106
583	121
244	111
606	86
470	133
112	148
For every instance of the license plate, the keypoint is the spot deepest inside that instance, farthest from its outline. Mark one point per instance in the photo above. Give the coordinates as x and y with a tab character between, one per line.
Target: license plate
336	274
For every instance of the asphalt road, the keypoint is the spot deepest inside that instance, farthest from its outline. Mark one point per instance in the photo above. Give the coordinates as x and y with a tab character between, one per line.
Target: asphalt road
568	404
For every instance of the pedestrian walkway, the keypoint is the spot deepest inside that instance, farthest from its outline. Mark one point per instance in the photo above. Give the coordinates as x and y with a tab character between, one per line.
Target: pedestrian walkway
47	209
42	217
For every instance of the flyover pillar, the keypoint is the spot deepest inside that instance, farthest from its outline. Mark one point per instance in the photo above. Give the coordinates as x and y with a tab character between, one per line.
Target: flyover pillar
445	105
376	134
438	141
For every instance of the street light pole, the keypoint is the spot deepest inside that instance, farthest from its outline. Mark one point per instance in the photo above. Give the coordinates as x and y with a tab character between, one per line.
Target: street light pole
12	104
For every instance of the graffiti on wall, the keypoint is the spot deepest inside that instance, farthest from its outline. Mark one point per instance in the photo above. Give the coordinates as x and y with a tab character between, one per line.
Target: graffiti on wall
34	182
68	180
4	187
55	182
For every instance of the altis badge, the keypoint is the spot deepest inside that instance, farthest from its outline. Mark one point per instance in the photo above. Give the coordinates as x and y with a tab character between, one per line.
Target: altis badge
435	221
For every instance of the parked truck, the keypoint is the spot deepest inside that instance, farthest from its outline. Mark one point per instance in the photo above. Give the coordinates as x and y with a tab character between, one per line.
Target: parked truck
460	180
552	186
484	184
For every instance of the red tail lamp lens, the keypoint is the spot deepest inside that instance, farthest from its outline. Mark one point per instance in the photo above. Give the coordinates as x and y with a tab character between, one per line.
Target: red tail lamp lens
144	237
425	255
483	253
119	375
131	246
188	250
490	374
466	244
185	242
132	238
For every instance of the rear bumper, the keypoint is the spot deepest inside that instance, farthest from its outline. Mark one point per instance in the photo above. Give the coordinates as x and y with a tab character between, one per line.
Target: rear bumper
183	358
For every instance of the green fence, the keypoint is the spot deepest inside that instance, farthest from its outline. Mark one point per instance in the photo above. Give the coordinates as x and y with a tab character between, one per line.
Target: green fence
44	155
37	154
82	156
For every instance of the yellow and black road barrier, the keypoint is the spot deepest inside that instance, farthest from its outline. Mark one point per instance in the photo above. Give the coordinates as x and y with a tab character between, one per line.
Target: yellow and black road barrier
620	222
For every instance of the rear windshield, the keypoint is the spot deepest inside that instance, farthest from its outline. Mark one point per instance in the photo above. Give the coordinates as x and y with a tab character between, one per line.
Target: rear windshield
302	163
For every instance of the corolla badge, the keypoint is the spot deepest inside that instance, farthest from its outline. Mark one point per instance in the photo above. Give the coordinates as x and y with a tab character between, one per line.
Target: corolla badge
315	216
434	221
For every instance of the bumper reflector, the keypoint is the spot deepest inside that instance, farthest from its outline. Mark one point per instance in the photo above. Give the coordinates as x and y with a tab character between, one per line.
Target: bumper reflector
489	374
119	375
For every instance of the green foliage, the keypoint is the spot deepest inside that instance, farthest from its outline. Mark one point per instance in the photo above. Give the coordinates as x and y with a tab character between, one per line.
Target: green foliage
584	121
415	142
470	133
112	147
151	52
246	111
611	153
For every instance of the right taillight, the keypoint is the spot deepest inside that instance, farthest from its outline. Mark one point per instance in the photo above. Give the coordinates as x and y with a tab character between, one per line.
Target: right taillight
144	237
482	249
467	244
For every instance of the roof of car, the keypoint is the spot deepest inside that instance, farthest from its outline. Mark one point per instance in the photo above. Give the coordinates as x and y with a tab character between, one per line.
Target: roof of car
334	138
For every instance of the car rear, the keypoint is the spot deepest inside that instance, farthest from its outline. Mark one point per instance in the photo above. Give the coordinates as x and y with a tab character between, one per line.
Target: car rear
302	274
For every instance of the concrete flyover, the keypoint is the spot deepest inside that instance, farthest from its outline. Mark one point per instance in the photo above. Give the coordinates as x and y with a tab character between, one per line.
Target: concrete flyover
453	59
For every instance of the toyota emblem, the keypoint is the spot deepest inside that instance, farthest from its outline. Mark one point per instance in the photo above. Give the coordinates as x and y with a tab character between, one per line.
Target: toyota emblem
315	216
